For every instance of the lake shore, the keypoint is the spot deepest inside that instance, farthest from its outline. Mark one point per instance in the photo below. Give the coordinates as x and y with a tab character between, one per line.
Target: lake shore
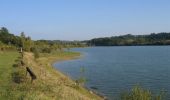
50	84
72	58
52	77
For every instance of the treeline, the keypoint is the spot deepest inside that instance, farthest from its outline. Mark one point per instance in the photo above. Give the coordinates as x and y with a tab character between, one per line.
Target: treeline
132	40
9	41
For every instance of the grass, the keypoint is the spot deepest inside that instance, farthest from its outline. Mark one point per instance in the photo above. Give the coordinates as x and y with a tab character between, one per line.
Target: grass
50	83
139	93
7	59
68	88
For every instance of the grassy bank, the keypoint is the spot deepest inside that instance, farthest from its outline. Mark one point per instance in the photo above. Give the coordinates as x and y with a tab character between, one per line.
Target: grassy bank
50	83
7	59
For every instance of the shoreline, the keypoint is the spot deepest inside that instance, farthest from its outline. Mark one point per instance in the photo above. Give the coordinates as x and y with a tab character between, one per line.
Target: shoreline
54	76
50	84
88	89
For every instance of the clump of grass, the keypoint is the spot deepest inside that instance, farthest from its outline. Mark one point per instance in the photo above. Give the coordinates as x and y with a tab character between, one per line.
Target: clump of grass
19	75
138	93
15	65
82	79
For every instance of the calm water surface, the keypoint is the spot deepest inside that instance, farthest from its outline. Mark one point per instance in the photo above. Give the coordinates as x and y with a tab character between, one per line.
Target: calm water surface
111	70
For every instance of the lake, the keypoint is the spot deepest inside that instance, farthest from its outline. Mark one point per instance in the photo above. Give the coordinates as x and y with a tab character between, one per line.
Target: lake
113	70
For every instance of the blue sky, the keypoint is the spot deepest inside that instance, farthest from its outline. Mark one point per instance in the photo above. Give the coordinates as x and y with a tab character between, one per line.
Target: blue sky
84	19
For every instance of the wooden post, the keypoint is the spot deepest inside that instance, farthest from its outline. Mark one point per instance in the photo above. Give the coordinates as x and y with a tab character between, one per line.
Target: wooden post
31	73
21	50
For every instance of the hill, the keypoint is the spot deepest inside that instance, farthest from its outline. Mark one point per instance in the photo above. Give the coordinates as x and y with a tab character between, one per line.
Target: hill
132	40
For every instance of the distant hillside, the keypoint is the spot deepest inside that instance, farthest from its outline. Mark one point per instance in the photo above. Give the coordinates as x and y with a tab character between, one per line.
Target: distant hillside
132	40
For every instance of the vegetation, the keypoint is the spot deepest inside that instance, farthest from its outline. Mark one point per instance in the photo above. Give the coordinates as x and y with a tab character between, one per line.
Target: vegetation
10	41
36	53
82	79
7	59
47	46
50	84
38	56
132	40
138	93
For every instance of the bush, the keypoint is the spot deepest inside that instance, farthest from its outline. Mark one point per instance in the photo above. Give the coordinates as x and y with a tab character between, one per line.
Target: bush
46	50
36	53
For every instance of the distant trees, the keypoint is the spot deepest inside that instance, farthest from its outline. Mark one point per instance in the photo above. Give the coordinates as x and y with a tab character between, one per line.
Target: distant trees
22	36
4	31
26	42
132	40
4	35
9	39
16	41
42	46
47	46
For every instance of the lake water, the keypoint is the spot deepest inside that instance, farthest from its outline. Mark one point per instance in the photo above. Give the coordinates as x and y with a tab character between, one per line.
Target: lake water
112	70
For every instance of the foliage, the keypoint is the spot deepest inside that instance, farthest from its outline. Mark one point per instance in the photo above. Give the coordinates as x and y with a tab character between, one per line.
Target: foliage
4	47
8	38
132	40
35	52
43	46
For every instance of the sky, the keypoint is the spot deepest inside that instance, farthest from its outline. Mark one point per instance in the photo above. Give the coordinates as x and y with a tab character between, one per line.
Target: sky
84	19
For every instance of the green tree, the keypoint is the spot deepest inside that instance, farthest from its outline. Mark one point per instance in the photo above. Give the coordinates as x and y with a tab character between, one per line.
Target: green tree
22	40
26	42
4	31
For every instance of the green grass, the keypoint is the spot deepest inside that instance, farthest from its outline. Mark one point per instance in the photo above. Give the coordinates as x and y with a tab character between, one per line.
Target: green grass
7	59
139	93
50	83
60	54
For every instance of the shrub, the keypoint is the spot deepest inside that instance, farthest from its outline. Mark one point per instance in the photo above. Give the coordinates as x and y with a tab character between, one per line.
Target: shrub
36	53
46	50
